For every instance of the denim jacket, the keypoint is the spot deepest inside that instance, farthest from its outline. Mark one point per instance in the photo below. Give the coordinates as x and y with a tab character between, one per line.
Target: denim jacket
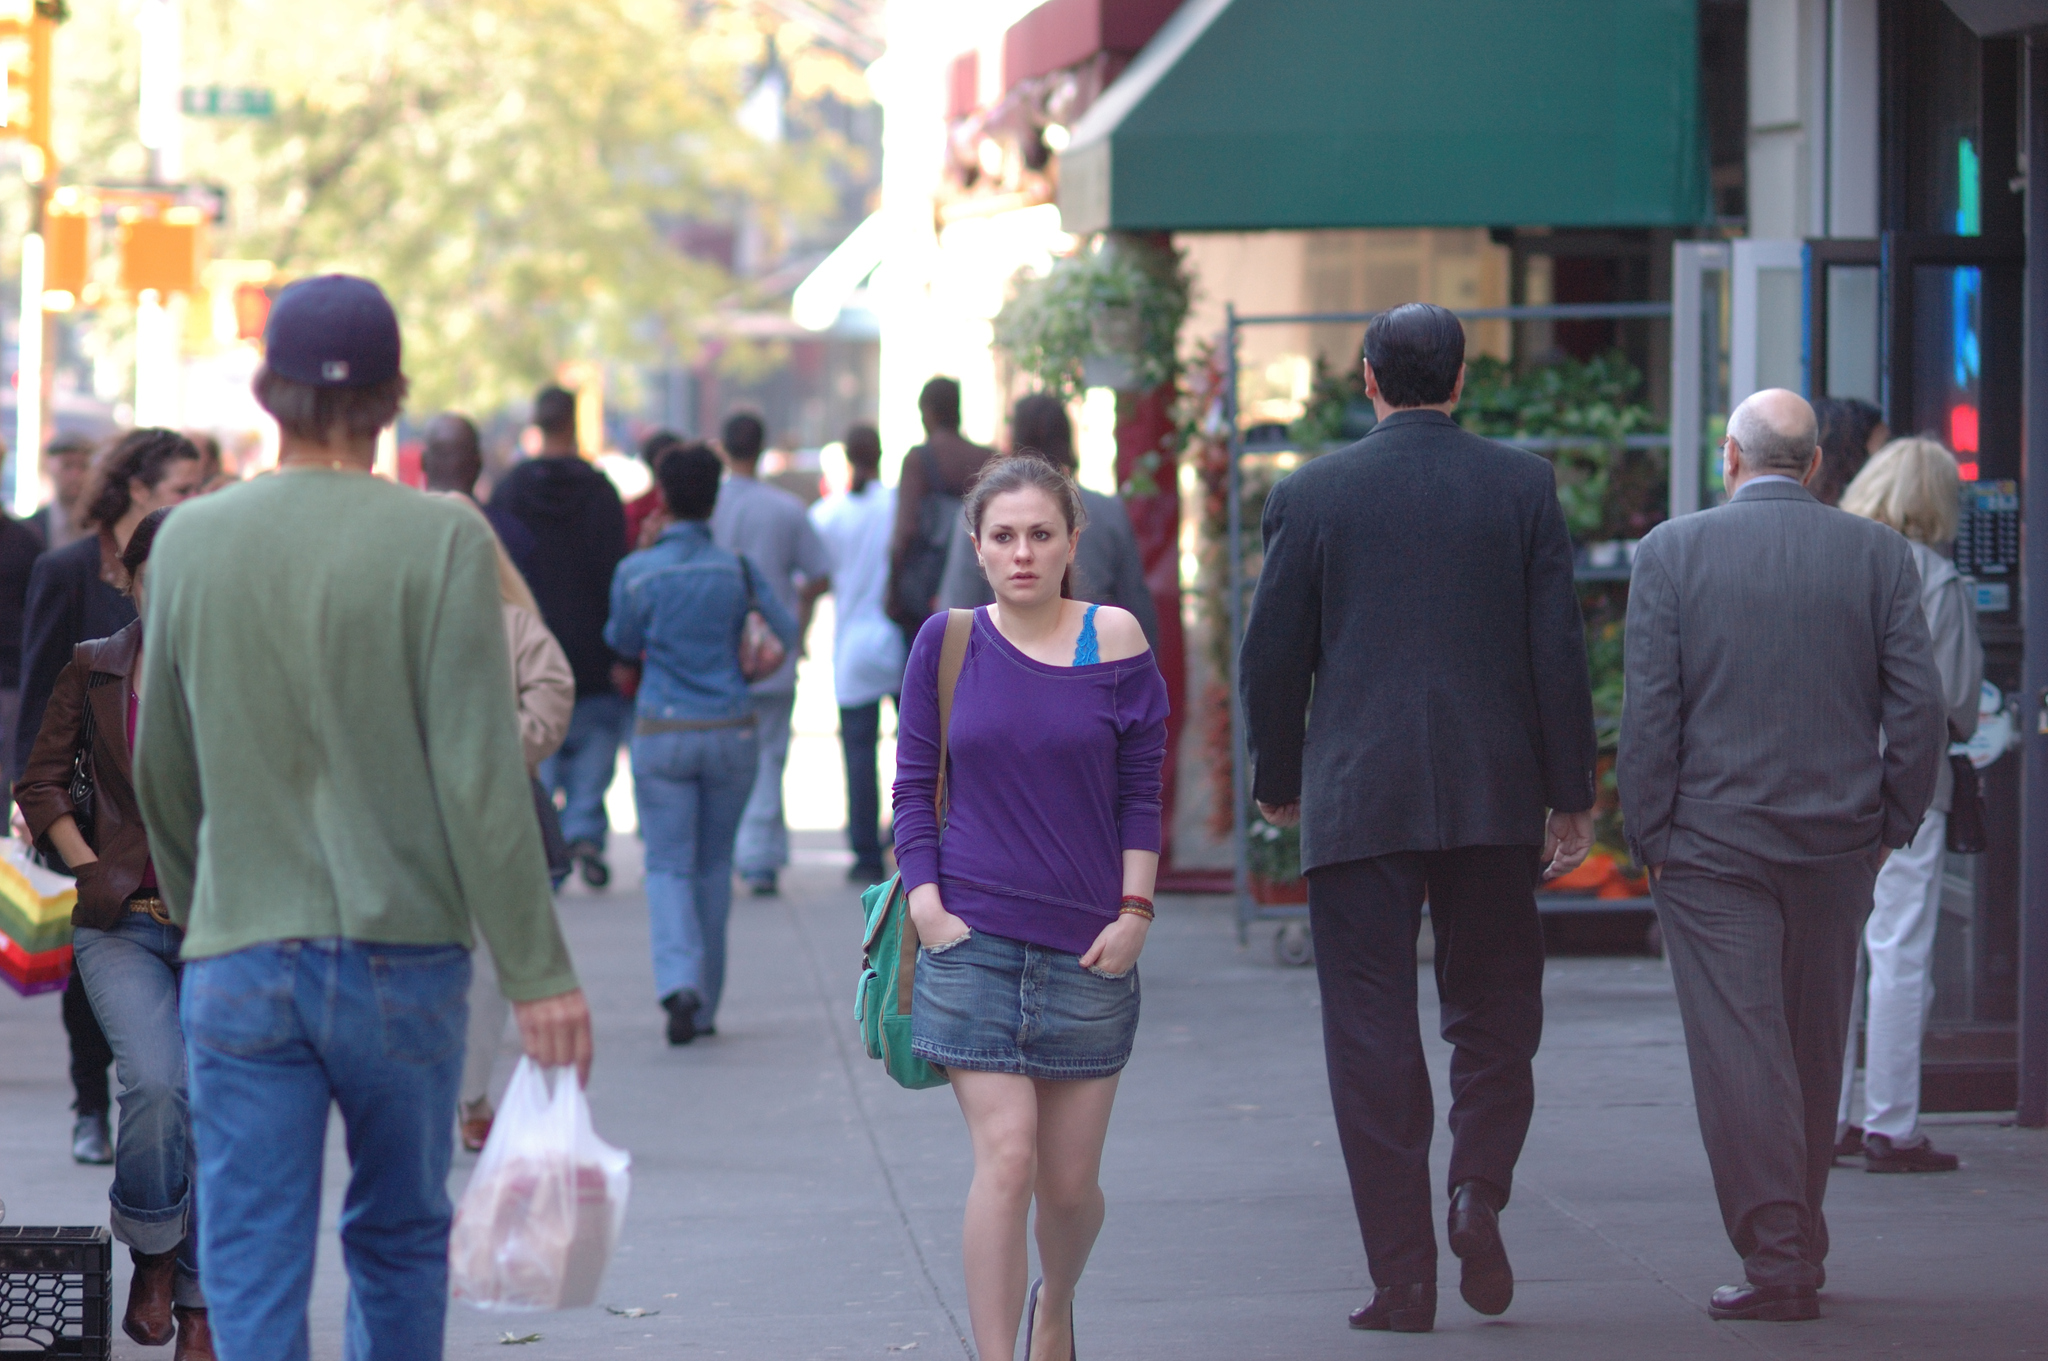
679	606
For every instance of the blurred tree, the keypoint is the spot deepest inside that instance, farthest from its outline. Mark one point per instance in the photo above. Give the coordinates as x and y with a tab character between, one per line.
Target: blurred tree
513	172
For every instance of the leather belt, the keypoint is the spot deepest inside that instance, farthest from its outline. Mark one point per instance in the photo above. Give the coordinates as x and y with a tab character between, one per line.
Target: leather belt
159	911
649	727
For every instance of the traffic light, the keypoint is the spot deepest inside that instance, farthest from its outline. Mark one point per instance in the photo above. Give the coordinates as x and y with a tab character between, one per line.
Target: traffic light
26	27
67	253
161	253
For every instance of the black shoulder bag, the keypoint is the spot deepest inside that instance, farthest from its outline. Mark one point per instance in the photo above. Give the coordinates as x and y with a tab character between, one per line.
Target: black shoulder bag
82	787
1966	809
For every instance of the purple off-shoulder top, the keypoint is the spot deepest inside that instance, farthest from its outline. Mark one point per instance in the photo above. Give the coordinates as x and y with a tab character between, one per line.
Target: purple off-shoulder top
1055	774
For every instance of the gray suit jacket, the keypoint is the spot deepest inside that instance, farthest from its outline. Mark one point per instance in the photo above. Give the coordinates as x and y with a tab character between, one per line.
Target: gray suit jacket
1781	694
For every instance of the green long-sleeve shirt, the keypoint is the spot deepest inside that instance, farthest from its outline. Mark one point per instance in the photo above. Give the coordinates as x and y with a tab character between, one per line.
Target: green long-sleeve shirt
326	746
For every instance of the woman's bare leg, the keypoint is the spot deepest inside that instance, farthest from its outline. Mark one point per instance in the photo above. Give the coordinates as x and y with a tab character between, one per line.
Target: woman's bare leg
1002	1121
1073	1120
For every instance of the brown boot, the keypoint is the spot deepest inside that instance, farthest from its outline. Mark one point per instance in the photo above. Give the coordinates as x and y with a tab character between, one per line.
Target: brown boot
195	1337
148	1319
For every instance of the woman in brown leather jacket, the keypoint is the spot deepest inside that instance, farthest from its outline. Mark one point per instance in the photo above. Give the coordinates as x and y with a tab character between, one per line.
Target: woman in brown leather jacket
125	949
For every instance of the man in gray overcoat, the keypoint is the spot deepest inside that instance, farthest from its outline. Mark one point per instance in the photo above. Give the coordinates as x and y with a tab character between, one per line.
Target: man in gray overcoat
1780	736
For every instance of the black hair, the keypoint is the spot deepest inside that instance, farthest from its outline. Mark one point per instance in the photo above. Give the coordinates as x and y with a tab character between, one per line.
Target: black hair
689	476
1022	469
308	412
70	442
1039	422
864	447
137	551
1845	425
743	437
656	446
939	403
554	410
144	455
452	458
1416	351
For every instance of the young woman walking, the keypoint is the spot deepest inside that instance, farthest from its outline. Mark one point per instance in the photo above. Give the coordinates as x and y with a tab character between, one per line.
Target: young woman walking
125	948
1032	900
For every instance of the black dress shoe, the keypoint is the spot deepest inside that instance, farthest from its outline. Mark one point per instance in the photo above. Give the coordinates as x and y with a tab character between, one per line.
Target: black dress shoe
1399	1309
91	1141
1487	1281
1765	1303
1882	1155
1850	1145
682	1015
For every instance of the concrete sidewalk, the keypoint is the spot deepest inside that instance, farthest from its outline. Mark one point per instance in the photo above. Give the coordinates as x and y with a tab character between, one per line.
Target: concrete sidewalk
789	1202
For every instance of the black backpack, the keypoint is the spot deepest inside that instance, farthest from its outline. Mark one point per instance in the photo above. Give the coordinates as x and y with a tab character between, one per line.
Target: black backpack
915	582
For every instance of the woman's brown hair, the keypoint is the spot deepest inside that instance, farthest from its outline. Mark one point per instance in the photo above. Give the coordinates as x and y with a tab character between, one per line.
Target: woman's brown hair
1027	469
144	456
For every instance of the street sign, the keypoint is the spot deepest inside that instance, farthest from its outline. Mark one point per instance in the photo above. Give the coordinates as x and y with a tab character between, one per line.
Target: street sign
228	101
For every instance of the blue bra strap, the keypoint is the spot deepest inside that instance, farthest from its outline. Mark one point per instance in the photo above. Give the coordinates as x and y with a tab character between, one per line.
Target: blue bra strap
1087	651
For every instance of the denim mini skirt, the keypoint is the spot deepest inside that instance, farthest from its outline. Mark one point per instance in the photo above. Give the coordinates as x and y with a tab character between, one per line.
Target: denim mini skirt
998	1005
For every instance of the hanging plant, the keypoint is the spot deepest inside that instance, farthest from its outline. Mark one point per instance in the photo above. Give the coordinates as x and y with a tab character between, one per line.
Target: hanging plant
1101	318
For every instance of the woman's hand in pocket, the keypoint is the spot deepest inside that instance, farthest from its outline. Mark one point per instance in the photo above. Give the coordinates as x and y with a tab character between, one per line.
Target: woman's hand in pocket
935	925
91	888
1115	951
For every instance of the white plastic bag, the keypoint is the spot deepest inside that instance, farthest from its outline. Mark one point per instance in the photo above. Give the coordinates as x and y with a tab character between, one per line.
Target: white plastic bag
540	1217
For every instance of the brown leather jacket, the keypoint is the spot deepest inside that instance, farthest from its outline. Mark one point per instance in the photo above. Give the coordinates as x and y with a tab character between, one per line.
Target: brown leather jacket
100	673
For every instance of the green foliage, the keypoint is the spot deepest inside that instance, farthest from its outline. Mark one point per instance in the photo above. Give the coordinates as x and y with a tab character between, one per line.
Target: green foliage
1332	398
509	170
1607	490
1052	325
1273	852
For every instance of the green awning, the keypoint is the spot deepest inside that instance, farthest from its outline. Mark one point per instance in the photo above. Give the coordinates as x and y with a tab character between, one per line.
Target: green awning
1250	114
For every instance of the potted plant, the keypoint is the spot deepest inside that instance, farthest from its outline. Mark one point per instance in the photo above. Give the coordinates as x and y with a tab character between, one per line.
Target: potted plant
1273	856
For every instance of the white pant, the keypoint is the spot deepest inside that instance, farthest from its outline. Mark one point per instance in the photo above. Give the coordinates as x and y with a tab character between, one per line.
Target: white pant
1897	959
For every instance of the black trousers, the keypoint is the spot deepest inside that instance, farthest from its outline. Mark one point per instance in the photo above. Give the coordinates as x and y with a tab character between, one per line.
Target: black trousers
91	1055
1365	916
860	731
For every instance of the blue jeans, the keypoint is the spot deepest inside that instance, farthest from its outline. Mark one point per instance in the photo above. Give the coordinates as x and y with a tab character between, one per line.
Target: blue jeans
691	788
764	840
130	973
275	1033
581	770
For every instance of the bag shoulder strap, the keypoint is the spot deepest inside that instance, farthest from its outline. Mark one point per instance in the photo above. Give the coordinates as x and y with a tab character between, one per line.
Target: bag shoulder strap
952	656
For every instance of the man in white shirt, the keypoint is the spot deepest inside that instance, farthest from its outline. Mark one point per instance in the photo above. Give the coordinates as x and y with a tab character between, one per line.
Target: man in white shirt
766	525
867	647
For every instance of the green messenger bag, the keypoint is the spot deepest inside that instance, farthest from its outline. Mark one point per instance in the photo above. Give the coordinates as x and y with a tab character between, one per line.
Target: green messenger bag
889	948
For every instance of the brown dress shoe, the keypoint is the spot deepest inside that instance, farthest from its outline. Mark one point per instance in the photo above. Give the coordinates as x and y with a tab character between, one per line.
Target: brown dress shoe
195	1336
476	1124
148	1319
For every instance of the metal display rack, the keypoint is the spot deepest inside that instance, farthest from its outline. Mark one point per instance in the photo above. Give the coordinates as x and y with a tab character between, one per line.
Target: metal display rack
1292	944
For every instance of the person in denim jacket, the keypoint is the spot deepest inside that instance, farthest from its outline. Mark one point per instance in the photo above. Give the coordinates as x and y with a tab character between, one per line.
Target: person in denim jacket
680	606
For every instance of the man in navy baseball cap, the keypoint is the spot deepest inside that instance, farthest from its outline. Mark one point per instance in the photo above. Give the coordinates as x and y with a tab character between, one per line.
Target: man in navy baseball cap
334	330
331	367
339	804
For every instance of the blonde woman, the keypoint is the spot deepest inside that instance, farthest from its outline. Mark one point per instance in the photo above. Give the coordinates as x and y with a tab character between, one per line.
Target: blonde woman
1911	485
546	696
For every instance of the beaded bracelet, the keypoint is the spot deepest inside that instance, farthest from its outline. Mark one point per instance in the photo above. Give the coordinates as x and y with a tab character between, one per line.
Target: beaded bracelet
1135	906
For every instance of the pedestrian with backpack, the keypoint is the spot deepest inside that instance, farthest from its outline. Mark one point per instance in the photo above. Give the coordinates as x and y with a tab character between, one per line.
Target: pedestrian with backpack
1027	827
928	492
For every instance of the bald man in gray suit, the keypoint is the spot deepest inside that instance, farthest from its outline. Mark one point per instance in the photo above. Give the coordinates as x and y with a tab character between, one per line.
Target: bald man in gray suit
1781	733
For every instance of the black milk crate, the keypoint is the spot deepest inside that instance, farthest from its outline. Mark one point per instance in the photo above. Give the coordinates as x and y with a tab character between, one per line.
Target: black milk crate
56	1292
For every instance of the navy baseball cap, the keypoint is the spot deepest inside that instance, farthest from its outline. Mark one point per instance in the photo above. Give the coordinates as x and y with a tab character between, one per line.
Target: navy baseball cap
332	331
